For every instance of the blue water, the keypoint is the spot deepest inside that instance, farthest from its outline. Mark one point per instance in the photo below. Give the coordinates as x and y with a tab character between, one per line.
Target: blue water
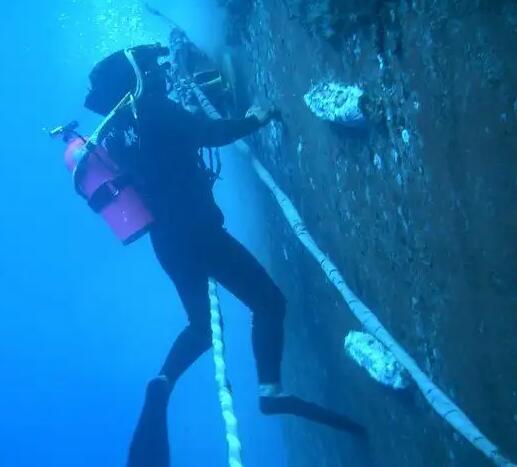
85	322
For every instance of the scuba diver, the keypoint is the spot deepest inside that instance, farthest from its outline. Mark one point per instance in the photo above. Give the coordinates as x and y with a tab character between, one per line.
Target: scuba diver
157	143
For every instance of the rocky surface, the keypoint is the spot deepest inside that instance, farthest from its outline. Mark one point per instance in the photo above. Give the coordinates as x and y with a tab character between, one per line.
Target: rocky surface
417	208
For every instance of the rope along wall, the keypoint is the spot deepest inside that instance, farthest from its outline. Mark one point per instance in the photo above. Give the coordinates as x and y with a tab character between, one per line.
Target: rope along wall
442	404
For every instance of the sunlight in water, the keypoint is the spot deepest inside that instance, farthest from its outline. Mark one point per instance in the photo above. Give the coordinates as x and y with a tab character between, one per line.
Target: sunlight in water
112	25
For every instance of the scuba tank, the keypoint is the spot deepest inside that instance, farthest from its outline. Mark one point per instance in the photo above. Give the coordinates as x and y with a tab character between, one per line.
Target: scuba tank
97	178
104	186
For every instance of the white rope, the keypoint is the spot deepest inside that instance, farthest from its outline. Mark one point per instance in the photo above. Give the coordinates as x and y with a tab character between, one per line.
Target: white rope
444	406
225	394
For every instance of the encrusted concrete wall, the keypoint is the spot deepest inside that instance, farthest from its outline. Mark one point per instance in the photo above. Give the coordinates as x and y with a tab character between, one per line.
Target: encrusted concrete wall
417	209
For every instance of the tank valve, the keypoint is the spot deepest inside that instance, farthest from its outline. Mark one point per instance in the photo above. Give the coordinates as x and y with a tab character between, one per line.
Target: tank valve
64	131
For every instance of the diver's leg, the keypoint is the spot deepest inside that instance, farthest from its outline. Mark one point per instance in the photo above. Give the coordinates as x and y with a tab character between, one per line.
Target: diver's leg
150	444
231	264
150	447
185	266
196	338
237	270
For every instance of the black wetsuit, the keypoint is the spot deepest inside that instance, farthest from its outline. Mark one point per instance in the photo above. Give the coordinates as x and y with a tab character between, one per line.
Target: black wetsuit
188	235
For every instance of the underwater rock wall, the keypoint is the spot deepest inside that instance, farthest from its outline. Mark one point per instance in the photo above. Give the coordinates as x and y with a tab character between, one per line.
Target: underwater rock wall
416	208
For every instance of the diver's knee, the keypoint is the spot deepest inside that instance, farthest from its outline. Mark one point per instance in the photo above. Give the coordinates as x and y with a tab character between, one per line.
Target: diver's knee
279	304
203	332
158	389
273	307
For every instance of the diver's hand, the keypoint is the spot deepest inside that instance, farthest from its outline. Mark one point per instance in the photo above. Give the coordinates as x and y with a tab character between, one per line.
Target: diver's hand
263	115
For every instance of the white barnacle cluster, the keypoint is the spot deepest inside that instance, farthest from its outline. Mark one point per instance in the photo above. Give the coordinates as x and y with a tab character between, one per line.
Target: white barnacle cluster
372	355
336	102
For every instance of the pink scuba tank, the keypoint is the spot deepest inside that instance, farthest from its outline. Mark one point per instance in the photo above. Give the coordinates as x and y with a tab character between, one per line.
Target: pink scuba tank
108	191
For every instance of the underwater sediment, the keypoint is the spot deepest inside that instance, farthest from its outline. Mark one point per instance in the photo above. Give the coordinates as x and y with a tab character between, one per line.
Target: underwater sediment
403	169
